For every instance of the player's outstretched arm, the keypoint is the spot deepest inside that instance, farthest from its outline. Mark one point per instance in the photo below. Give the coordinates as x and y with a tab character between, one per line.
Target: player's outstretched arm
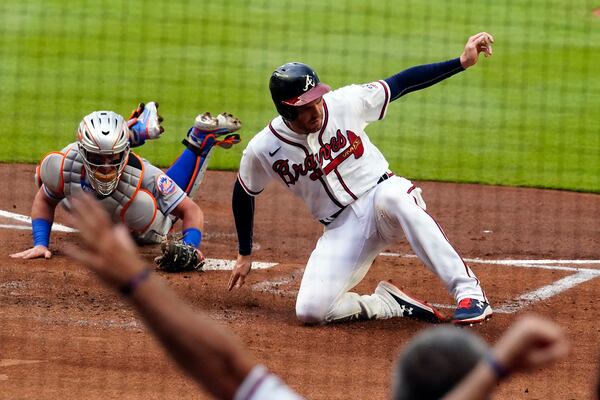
192	219
531	343
201	347
42	216
243	212
422	76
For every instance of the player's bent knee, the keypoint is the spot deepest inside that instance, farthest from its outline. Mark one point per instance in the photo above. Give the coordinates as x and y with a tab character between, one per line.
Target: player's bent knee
311	313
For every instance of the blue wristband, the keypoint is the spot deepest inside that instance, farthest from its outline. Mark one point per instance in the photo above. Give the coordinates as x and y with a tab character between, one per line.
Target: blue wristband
192	236
41	231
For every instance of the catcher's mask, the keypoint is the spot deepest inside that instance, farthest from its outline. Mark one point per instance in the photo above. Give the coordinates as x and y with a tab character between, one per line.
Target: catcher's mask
293	85
103	140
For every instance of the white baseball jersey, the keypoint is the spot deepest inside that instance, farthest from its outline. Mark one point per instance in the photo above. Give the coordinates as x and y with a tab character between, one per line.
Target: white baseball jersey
328	169
344	180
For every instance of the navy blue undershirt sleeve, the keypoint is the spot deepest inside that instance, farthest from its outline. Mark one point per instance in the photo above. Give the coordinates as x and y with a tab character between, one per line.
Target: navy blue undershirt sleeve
421	76
243	213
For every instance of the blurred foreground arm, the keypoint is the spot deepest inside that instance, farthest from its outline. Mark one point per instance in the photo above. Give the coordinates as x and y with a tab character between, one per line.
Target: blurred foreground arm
201	347
531	343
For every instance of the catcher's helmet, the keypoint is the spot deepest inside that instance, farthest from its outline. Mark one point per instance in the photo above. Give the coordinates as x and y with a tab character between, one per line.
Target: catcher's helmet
293	85
103	141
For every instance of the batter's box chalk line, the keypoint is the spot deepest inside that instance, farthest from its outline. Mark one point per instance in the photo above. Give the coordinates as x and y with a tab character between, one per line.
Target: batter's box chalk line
580	275
212	264
24	218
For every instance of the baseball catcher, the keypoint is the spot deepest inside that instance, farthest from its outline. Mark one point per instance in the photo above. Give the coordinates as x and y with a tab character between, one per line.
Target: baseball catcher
134	192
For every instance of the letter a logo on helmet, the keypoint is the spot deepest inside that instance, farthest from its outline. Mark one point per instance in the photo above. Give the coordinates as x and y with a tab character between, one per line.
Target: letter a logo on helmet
293	85
309	83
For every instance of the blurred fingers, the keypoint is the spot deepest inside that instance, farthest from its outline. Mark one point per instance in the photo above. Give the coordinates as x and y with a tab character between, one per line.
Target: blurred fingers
84	256
123	237
540	357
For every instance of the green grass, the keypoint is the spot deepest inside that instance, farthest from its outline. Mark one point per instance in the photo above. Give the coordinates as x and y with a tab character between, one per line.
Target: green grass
528	116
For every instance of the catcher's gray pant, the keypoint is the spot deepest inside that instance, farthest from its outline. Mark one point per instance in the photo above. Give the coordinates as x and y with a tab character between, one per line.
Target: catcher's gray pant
348	246
157	231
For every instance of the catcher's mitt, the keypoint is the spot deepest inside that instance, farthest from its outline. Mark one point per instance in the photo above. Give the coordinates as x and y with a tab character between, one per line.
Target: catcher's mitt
178	257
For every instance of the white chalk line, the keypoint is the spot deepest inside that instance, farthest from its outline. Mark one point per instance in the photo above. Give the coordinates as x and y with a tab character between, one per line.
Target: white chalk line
272	285
212	264
515	263
545	292
25	218
16	227
9	362
218	264
580	276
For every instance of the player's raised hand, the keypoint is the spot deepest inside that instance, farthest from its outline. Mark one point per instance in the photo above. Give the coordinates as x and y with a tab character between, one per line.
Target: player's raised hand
240	271
531	343
35	252
479	43
145	123
107	249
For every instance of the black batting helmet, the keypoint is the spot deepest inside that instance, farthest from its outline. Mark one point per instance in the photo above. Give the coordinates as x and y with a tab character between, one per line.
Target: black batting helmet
293	85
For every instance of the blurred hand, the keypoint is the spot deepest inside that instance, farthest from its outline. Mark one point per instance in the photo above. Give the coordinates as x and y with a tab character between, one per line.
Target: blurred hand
240	271
531	343
479	43
35	252
107	250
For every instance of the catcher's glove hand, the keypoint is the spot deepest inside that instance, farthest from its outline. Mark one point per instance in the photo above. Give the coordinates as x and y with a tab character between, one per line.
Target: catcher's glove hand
178	257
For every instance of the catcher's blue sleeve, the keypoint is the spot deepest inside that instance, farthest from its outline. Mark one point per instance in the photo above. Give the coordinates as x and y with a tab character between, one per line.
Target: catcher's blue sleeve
421	76
243	213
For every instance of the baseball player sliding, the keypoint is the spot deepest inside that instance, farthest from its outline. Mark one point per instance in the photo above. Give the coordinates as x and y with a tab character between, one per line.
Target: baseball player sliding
144	198
318	149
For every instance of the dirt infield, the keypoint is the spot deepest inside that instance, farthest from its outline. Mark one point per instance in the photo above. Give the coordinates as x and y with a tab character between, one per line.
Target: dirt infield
63	335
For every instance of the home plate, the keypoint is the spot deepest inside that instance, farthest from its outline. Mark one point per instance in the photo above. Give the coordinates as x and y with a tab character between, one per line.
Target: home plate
218	264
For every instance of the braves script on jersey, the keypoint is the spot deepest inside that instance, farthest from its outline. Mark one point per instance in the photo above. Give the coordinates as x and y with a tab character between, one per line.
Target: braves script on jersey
330	168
